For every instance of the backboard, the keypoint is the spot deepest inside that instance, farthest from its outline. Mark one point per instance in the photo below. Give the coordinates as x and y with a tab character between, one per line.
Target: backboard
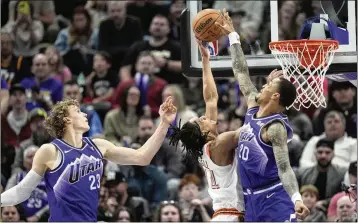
261	22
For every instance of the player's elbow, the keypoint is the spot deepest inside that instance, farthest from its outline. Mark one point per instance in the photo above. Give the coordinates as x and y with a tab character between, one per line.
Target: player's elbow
143	159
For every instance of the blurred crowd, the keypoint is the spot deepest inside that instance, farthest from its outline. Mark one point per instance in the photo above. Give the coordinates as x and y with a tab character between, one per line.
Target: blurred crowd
121	59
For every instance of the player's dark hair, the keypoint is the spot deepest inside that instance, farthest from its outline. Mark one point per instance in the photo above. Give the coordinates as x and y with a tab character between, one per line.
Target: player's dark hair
192	138
287	92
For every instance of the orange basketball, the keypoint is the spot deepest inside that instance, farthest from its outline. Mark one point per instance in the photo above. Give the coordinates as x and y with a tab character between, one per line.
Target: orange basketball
204	25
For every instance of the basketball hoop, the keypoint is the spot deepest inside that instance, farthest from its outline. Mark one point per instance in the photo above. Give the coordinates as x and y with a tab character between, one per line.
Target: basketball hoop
305	63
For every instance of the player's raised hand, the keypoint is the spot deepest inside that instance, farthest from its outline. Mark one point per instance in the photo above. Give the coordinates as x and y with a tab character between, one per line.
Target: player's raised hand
167	111
203	47
274	74
301	210
227	26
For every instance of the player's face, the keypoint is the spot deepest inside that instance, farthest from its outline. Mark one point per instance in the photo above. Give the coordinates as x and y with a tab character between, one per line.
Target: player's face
324	156
309	199
78	119
206	125
169	213
267	91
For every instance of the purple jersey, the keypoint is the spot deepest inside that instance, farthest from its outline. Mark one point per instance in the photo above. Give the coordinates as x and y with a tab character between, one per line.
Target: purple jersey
73	187
37	199
257	164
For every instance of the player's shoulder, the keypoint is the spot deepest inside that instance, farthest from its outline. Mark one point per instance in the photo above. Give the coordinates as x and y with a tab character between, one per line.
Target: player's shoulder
48	148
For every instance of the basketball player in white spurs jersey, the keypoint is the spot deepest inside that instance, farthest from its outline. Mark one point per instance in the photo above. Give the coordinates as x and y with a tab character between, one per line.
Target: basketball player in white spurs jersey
215	153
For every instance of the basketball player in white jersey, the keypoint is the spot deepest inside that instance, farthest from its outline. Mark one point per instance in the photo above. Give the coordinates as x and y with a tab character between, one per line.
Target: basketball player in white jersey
215	153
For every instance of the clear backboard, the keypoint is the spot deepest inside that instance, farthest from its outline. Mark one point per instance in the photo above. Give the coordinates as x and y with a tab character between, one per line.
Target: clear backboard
261	22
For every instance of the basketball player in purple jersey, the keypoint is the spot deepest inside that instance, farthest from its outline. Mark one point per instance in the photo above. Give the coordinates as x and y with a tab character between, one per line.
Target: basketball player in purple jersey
269	183
72	167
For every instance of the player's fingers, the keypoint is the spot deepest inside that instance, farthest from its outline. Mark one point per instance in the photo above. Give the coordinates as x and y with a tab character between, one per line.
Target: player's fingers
219	25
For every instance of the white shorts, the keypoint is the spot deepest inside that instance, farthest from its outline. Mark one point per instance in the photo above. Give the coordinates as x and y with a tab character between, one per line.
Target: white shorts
229	218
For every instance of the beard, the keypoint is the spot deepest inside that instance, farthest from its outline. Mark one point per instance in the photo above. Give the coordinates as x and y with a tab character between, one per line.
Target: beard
41	137
324	165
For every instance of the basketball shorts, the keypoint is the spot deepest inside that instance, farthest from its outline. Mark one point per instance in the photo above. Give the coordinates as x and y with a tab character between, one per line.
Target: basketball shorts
270	203
228	214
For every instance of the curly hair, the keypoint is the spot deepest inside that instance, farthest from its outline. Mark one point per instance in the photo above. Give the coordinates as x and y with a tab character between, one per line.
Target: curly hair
192	138
55	123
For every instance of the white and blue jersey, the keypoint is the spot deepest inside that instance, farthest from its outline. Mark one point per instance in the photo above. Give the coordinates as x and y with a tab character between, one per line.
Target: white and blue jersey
265	197
73	187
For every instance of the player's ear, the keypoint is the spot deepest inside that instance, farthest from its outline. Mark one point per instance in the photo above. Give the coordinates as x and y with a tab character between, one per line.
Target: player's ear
275	96
67	120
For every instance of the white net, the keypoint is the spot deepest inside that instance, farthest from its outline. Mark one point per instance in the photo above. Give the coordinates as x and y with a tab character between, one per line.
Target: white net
305	66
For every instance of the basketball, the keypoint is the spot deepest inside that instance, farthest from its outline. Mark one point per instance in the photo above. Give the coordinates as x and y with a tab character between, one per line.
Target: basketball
204	25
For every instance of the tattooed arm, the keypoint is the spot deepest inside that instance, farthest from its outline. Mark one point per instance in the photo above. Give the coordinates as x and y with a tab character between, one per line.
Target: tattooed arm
241	72
277	135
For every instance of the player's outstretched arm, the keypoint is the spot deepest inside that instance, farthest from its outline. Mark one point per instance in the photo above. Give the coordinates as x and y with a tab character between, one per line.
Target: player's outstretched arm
210	92
44	158
144	155
239	64
277	135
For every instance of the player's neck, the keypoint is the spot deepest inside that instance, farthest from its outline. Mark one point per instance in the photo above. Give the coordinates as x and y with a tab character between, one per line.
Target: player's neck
265	110
73	138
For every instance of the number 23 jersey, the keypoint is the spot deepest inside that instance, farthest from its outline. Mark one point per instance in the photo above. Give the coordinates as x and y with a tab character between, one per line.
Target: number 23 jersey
73	186
256	160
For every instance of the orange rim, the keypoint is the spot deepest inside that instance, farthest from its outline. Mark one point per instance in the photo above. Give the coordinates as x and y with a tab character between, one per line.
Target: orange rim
300	44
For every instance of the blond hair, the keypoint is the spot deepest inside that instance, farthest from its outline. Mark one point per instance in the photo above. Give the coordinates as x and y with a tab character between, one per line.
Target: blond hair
55	123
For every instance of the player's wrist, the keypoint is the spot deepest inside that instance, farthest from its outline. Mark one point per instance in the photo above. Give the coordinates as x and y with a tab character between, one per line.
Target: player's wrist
296	197
234	38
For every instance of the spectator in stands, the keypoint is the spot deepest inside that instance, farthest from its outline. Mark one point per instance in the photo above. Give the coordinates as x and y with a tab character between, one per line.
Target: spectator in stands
58	70
14	125
50	90
346	210
118	32
175	10
223	122
13	68
36	206
39	136
332	209
301	124
166	53
13	213
343	100
123	214
118	186
120	124
102	80
149	84
345	147
325	175
78	43
4	96
25	30
72	90
168	211
192	208
98	11
310	197
167	158
145	11
184	113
